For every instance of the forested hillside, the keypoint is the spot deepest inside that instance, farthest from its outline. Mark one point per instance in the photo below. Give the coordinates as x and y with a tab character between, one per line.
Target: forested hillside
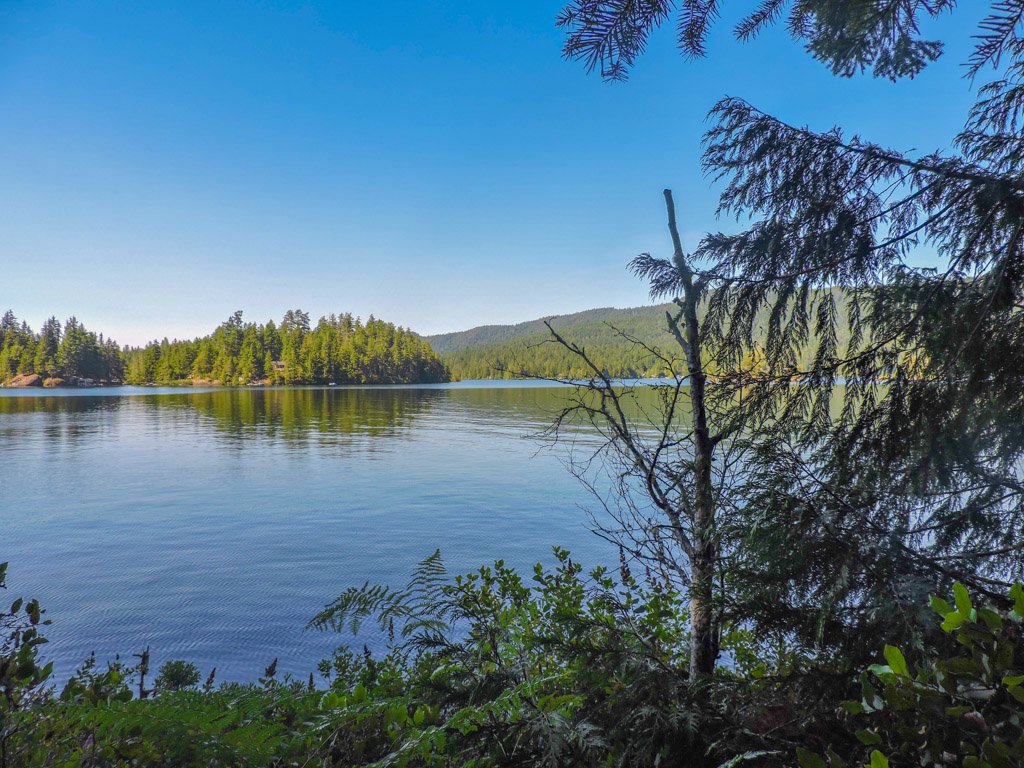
614	338
340	349
508	351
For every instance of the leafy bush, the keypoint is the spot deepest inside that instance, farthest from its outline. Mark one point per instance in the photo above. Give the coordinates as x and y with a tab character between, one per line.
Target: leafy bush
22	677
564	670
961	704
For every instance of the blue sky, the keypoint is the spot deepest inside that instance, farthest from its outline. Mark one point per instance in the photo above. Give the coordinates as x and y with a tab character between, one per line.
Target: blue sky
437	164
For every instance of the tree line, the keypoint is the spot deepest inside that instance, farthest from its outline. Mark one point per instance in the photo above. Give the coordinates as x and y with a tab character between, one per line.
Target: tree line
339	349
624	343
67	352
610	343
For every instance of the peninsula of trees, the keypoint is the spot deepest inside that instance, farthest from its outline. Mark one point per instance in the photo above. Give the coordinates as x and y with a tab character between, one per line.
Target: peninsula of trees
339	349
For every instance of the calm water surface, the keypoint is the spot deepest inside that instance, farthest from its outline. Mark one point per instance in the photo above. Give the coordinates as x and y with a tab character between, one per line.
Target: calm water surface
211	525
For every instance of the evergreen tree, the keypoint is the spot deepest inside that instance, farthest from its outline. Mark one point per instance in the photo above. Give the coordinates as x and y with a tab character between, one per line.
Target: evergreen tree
47	347
889	463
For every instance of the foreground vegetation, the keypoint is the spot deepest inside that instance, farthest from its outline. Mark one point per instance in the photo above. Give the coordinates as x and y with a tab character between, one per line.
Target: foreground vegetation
491	669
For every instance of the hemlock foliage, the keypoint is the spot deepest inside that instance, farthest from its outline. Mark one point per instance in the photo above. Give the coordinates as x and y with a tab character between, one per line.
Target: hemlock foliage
888	464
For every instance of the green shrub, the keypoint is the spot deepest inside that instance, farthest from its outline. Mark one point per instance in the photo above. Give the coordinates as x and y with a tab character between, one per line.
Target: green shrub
22	676
563	669
960	704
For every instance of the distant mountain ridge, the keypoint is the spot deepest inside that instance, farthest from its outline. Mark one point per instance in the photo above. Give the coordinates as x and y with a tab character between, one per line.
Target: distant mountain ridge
509	351
490	334
526	349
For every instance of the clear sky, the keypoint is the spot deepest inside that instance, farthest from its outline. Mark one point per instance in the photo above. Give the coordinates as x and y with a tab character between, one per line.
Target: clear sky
437	164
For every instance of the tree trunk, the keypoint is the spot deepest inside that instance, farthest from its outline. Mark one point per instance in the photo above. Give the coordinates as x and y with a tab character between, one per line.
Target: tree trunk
703	554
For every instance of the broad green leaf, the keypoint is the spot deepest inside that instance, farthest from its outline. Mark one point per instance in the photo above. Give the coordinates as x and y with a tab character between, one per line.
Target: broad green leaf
992	619
834	760
809	759
880	670
953	621
960	665
878	760
996	753
868	737
940	606
963	599
896	660
1017	593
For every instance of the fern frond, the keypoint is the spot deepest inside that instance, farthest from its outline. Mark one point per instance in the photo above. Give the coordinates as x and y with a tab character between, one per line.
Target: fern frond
419	611
357	604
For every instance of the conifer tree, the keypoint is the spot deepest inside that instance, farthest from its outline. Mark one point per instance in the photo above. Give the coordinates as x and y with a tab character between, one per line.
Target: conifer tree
886	407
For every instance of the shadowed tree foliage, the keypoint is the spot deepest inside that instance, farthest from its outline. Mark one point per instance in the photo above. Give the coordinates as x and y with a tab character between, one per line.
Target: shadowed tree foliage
850	37
673	466
889	464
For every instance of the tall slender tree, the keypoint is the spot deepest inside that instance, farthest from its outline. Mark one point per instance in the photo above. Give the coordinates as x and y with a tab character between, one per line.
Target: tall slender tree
673	465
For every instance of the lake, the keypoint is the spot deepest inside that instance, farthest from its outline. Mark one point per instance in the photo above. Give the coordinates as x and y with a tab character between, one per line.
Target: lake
211	525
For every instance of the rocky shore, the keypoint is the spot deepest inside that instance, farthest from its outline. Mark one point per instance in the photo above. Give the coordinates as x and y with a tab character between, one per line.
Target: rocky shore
28	380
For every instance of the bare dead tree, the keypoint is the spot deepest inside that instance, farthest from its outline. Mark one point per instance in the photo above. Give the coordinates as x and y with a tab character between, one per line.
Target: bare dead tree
671	449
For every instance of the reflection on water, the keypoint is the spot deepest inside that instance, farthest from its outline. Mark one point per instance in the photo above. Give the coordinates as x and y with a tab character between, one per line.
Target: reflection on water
212	524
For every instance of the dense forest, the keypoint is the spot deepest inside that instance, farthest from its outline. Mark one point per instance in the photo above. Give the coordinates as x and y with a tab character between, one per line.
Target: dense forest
57	352
510	351
625	343
339	349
